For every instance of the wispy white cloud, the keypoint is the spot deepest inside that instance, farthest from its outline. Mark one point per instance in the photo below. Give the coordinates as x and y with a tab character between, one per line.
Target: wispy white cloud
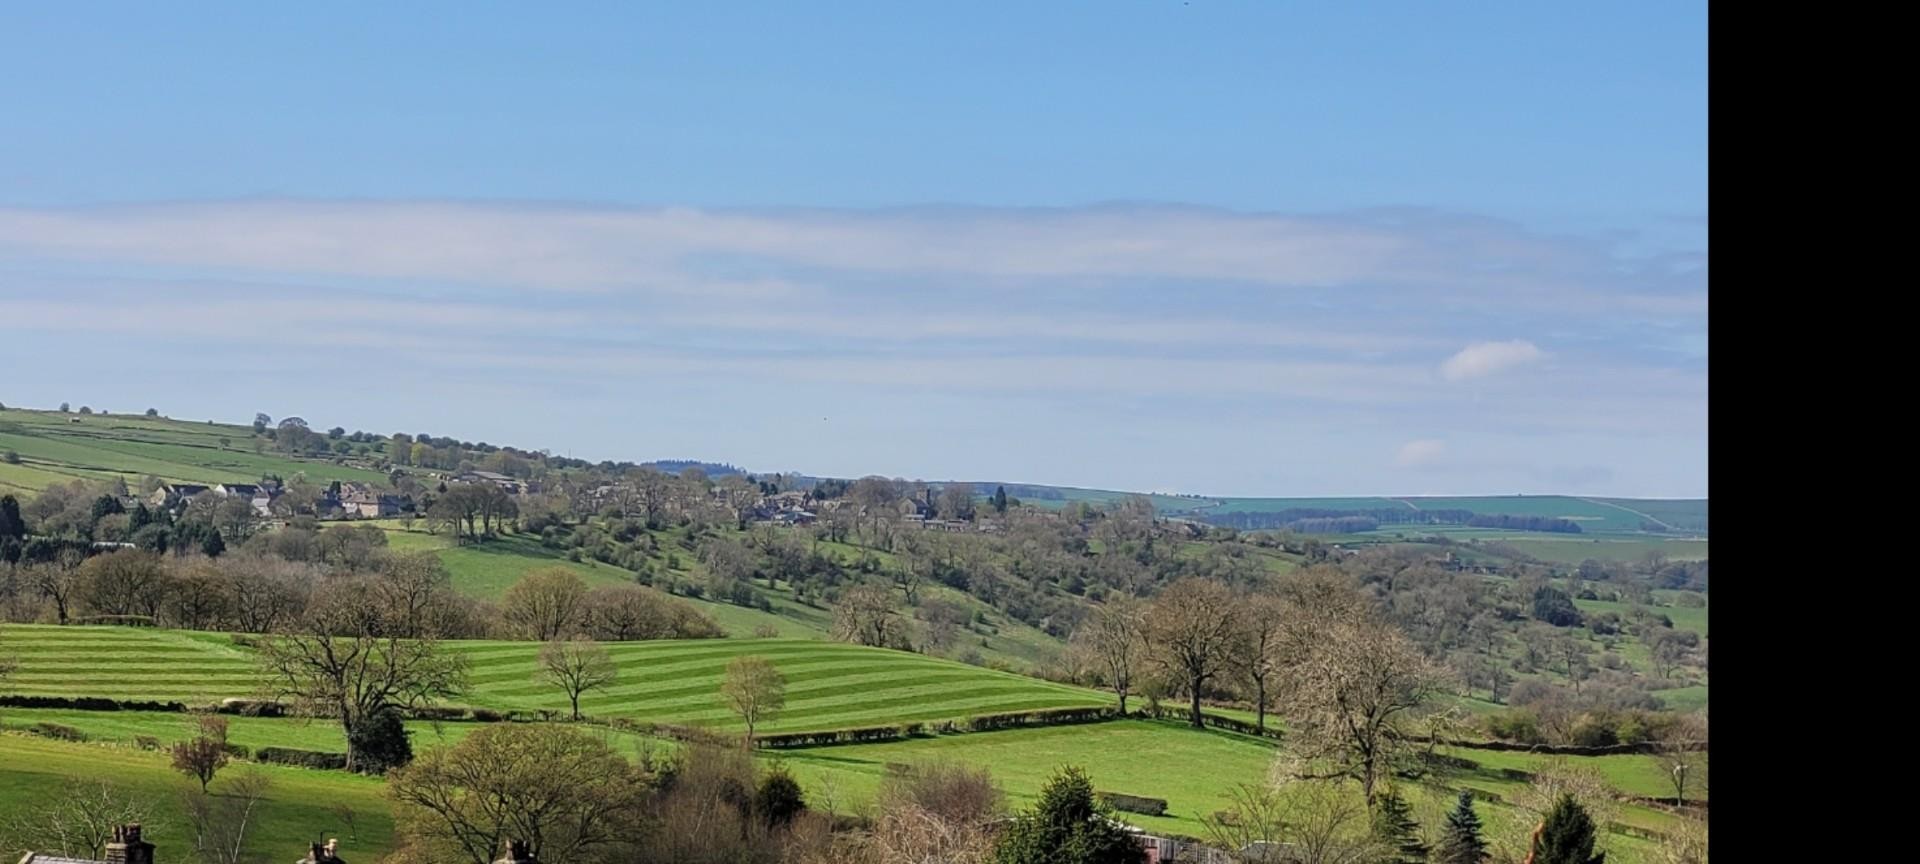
1486	358
683	249
1160	318
1420	453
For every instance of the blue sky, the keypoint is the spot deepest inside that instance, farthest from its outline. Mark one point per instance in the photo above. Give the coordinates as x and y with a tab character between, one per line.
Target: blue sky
1259	248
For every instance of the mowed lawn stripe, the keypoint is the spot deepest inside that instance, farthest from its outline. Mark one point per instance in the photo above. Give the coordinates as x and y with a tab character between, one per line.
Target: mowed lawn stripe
829	685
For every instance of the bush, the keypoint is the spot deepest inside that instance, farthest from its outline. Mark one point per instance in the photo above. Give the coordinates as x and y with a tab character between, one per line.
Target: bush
302	758
252	708
57	731
1595	730
1134	803
778	799
487	715
1519	726
840	736
1042	717
379	742
89	703
146	742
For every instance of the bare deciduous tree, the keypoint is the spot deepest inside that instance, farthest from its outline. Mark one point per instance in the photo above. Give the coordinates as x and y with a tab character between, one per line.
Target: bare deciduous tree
1116	638
576	665
865	616
1260	651
563	792
203	755
755	690
546	604
1350	688
1191	631
1682	754
1308	821
343	654
219	823
80	821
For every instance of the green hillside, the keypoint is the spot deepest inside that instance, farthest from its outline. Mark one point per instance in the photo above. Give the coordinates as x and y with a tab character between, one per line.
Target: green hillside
55	447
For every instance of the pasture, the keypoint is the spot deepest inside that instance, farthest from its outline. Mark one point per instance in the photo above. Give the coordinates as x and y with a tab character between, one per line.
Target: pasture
1194	771
53	448
830	685
301	805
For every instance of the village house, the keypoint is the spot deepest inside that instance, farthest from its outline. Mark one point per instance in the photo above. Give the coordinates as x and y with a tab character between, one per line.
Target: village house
238	490
365	503
174	495
509	484
126	847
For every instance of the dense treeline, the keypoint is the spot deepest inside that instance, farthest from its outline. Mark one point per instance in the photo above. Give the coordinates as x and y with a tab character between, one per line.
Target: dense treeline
1524	523
169	575
1285	518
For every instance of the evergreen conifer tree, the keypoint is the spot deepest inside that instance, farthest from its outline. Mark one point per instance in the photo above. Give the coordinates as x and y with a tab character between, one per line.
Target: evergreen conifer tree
1566	837
1462	843
1394	827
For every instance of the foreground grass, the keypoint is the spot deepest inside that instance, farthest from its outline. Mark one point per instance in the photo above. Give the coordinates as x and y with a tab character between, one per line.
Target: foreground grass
300	805
1194	771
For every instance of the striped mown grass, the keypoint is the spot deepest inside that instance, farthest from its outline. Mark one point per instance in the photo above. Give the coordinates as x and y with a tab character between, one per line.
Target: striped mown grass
127	663
829	685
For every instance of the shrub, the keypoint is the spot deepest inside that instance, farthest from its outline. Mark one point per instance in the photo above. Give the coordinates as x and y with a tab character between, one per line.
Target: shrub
252	708
778	799
146	742
89	703
1042	717
1134	803
302	758
379	742
1520	726
57	731
1594	730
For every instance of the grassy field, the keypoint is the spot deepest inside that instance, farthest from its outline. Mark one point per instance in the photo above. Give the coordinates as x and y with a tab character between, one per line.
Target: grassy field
1574	549
1684	617
830	685
488	569
53	449
1683	514
1155	759
299	808
126	727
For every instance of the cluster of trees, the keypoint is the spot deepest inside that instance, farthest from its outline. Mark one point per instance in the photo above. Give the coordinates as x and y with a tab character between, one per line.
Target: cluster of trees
566	795
1347	680
1316	519
80	511
555	603
1524	523
275	578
